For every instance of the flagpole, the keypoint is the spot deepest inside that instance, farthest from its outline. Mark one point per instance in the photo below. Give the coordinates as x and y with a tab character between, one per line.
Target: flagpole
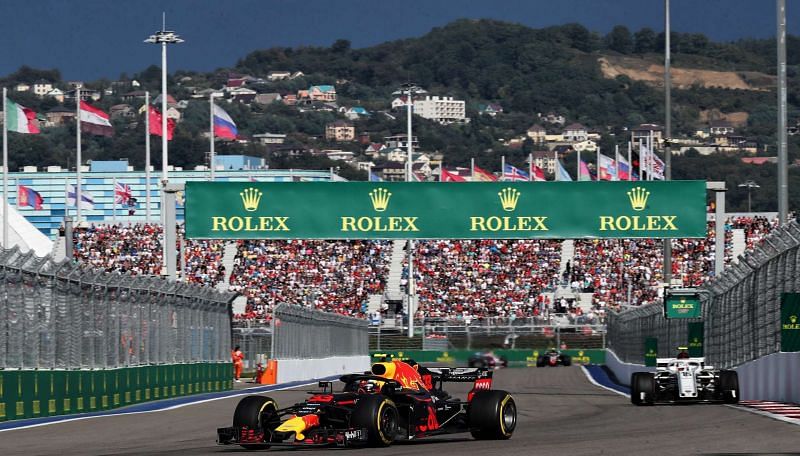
147	157
616	163
5	170
441	170
78	195
211	132
555	157
579	165
630	162
597	171
502	168
114	201
530	167
472	169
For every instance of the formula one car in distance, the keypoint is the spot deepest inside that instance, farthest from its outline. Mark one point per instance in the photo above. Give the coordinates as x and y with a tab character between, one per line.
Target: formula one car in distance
396	400
684	379
553	358
487	359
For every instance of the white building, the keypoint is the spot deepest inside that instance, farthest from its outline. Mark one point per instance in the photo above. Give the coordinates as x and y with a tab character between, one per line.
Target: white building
444	110
42	87
270	138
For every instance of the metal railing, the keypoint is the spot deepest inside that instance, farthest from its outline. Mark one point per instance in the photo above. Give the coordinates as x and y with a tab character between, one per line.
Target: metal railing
60	315
741	308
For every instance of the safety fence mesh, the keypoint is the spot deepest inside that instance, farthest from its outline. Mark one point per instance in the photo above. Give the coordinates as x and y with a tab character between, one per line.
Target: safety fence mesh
741	308
61	315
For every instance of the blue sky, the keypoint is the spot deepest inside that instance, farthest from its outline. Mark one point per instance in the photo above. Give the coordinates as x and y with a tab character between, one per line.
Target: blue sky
101	38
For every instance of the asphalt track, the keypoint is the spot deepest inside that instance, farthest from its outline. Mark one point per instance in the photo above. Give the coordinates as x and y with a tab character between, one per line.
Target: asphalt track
560	413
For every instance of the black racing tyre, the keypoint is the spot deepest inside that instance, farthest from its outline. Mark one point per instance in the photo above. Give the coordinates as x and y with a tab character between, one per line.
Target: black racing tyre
492	415
729	384
256	412
566	360
378	415
642	382
540	361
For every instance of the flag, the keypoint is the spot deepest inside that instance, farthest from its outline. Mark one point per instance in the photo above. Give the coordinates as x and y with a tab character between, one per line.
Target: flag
155	123
447	176
481	175
122	193
512	173
651	163
537	174
417	177
95	121
658	167
87	200
585	173
21	119
224	127
608	168
374	177
27	196
561	173
623	168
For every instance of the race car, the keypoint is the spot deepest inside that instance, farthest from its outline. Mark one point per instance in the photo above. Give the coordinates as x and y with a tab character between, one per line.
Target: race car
684	379
487	359
396	400
553	358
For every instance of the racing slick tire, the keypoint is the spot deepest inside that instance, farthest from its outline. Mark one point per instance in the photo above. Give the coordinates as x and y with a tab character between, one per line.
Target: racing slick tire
492	415
566	360
729	384
256	412
540	361
642	382
378	415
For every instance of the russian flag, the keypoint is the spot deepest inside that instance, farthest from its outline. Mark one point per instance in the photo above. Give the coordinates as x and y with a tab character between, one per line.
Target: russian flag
224	127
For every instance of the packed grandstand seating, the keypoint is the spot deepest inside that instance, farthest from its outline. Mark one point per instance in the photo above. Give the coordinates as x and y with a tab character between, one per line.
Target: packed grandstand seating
485	278
335	276
461	279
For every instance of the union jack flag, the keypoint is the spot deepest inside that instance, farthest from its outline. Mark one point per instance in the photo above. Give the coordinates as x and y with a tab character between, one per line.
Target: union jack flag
122	193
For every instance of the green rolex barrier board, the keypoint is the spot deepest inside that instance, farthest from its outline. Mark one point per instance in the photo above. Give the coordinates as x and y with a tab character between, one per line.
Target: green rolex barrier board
37	393
514	357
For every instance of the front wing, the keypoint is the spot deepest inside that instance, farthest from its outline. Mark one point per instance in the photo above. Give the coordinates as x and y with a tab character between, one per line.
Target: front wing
319	437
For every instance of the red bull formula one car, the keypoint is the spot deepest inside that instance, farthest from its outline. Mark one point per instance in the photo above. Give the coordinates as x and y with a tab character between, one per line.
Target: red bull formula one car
397	400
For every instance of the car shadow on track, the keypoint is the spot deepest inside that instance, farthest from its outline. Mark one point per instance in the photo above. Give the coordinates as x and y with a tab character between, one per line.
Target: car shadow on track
400	443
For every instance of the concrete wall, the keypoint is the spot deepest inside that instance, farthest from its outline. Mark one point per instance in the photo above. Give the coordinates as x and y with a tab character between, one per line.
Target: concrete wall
774	377
290	370
624	370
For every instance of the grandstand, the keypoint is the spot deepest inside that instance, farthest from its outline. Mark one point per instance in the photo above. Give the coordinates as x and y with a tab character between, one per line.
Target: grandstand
461	280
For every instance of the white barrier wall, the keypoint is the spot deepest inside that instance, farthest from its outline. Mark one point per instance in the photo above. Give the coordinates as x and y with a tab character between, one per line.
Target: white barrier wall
624	370
292	370
774	377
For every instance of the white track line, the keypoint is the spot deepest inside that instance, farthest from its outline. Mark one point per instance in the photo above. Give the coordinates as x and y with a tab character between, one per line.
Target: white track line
594	382
172	407
774	416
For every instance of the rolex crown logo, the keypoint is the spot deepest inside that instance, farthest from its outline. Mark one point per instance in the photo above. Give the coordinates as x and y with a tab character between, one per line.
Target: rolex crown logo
508	198
793	319
250	198
380	199
638	197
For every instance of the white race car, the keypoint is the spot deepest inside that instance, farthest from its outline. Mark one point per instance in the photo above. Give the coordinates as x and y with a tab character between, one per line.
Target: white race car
684	380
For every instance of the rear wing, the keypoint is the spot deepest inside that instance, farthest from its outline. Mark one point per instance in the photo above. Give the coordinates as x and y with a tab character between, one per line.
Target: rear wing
663	363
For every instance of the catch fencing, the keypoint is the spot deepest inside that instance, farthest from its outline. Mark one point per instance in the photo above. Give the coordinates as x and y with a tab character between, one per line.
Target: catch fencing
59	315
297	332
741	308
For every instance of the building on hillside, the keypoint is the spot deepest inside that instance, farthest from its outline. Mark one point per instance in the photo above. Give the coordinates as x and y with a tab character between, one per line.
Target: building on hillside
575	133
122	111
553	118
321	93
134	95
585	146
545	160
641	134
392	172
400	141
268	98
399	102
721	127
374	149
270	138
759	160
339	155
22	87
42	87
491	109
243	95
340	131
239	162
278	75
56	94
355	113
537	134
59	116
290	99
444	110
86	95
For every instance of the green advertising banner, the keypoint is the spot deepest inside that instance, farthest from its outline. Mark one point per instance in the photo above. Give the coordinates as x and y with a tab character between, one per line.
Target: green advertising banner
515	357
695	332
682	306
650	351
790	322
433	210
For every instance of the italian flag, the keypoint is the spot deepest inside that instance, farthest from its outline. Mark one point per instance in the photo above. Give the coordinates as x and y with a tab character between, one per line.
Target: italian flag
20	119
